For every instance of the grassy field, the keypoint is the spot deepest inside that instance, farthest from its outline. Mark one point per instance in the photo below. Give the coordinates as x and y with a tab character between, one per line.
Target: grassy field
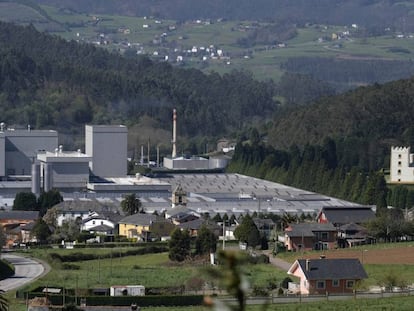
152	270
155	270
263	61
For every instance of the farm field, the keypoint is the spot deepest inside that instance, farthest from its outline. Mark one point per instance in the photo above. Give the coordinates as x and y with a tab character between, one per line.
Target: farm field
156	38
388	254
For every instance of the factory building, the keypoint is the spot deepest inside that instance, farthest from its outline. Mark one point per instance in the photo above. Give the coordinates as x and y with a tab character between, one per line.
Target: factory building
107	146
18	150
68	171
179	163
195	163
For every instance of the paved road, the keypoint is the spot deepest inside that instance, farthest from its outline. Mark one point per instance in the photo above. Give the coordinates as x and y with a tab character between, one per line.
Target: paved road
281	264
26	270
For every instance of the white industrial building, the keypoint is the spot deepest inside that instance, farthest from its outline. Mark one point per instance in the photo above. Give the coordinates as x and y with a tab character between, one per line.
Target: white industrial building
401	165
19	148
61	170
107	145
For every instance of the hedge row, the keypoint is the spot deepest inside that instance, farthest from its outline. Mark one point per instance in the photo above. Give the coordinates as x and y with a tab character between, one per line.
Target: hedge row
91	256
6	270
143	301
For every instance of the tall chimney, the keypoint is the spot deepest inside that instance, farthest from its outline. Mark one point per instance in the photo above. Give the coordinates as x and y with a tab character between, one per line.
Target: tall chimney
174	138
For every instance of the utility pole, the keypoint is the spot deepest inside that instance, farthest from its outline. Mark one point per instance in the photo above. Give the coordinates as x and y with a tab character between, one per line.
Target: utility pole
224	234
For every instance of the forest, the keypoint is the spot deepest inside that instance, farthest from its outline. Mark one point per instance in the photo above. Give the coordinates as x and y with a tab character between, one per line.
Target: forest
68	84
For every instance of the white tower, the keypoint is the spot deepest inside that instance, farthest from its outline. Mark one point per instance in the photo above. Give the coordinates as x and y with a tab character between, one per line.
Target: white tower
401	166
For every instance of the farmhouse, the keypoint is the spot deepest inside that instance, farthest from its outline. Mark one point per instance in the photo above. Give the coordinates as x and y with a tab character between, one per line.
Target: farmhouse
309	236
324	276
342	215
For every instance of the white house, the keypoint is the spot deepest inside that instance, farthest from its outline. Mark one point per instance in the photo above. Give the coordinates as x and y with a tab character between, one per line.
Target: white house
97	222
401	165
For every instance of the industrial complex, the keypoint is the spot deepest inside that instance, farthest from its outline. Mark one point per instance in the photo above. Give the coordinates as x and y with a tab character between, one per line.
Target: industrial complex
33	160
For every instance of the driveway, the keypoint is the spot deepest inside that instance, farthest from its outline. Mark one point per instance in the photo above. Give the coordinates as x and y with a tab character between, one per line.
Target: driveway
26	271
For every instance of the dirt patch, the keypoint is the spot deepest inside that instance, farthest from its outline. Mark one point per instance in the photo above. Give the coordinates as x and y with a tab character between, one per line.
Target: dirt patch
369	255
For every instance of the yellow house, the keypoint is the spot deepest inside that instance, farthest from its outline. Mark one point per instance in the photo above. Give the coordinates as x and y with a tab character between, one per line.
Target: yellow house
138	226
132	226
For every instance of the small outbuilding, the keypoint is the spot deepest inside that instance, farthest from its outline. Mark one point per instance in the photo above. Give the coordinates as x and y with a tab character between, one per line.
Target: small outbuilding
127	290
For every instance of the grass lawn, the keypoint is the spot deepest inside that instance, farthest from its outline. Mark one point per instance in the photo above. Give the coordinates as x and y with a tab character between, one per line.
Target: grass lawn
150	270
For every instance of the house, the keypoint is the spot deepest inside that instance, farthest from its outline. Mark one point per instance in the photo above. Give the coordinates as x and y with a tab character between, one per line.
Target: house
141	226
181	214
81	209
194	226
326	276
103	223
350	235
341	215
12	221
309	236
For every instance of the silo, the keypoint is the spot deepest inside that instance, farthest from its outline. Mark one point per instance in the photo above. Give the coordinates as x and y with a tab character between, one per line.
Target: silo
36	178
47	177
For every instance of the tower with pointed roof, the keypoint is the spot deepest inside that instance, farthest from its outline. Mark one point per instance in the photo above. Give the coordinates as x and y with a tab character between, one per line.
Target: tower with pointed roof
179	197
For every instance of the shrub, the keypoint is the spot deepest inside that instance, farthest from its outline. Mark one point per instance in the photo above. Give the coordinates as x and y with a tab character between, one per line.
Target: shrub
6	270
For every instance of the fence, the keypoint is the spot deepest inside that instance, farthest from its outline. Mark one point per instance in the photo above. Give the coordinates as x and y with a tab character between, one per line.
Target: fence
328	297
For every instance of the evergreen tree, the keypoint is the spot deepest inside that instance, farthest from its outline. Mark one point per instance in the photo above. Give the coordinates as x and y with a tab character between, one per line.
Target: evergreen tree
179	245
131	204
247	232
49	199
206	241
41	231
25	201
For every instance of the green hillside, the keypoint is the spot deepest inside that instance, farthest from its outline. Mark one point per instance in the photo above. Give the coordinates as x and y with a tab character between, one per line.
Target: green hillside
48	82
341	52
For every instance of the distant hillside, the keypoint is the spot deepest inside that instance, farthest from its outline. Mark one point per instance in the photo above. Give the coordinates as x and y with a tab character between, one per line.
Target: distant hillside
48	82
368	116
369	13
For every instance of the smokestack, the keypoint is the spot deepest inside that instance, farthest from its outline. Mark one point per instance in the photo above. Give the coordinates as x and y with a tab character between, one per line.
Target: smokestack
148	153
174	138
